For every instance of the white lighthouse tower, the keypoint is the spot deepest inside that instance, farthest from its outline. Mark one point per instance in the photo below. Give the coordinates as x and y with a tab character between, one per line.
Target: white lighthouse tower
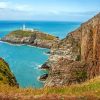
24	27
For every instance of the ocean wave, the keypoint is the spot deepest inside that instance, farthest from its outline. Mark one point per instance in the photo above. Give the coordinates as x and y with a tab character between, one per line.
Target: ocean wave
1	41
45	53
36	66
11	43
34	46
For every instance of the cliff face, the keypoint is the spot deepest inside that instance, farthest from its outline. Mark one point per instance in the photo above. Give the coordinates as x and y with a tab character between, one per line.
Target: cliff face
90	45
6	76
35	38
76	58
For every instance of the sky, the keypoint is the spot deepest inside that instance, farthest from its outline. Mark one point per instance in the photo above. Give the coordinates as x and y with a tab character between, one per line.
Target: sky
49	10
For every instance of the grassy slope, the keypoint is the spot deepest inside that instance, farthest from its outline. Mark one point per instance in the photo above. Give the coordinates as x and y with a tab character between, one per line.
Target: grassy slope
40	35
90	89
6	75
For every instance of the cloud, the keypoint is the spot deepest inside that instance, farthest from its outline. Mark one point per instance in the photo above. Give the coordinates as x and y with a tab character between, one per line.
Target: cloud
18	10
15	7
74	13
37	10
3	5
19	7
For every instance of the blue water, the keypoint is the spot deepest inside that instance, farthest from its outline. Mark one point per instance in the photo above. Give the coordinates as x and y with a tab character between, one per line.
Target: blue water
59	29
25	60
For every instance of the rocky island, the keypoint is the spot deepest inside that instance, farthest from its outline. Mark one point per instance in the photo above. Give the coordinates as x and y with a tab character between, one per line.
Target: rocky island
34	38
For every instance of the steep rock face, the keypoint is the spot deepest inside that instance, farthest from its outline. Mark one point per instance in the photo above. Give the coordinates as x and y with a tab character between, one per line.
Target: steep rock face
90	45
35	38
90	39
6	76
78	54
66	72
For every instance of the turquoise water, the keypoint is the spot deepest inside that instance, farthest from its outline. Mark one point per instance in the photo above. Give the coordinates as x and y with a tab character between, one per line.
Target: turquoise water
25	60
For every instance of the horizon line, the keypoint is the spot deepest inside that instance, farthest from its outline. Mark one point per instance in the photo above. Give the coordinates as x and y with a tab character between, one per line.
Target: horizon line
45	20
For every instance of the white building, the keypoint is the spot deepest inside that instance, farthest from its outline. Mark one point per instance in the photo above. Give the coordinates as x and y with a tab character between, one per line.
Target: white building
24	27
27	29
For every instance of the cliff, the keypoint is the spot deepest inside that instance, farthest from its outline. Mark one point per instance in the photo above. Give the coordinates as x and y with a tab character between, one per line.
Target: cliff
6	76
35	38
76	58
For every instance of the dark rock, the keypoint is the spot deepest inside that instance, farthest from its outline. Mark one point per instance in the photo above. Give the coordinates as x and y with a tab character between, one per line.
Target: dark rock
48	52
45	66
43	77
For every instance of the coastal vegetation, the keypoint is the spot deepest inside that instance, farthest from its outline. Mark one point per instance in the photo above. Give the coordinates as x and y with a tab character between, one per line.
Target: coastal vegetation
35	33
88	90
6	76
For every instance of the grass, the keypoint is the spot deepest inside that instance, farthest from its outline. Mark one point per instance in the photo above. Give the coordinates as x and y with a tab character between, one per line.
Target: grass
20	33
91	87
6	75
4	72
37	34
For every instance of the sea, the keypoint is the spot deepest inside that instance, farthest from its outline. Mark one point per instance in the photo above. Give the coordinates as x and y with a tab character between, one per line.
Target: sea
24	60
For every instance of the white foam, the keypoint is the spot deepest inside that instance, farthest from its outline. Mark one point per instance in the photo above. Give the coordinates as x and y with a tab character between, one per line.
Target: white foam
35	46
1	41
36	66
46	53
11	43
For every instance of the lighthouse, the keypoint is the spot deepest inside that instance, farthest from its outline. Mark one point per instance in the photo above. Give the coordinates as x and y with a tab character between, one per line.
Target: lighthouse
24	27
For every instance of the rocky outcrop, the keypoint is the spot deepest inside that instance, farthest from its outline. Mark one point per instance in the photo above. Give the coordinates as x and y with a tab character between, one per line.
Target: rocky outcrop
6	76
45	66
76	58
34	38
43	77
